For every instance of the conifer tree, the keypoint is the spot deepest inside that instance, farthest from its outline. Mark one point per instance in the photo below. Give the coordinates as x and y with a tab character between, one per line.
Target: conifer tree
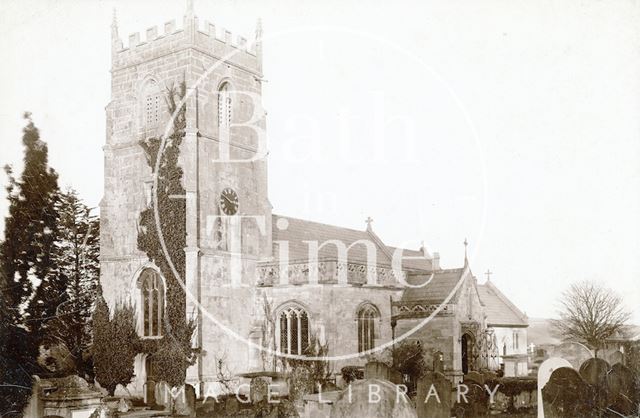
30	227
75	256
115	343
25	257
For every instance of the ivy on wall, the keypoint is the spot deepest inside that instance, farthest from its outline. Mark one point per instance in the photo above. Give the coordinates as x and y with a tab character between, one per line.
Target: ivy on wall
172	354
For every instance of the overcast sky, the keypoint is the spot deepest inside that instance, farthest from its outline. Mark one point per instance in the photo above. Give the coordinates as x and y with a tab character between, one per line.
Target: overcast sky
512	123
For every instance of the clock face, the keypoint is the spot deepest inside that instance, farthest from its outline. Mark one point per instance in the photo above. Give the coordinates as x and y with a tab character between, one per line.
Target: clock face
229	201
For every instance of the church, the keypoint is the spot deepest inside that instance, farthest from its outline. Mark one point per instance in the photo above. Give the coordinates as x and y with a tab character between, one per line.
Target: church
260	285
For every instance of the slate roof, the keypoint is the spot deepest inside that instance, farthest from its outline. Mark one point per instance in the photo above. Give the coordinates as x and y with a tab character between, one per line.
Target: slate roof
437	290
300	230
500	311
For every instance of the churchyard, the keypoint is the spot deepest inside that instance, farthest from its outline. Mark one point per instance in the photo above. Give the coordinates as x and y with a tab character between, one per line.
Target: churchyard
595	388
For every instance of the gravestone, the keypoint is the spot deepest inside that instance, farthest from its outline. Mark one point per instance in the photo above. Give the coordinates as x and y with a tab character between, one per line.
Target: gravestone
377	370
162	394
566	394
231	405
476	377
73	397
358	401
150	392
616	357
258	389
544	373
35	407
476	403
185	403
395	376
434	396
594	371
623	395
438	362
124	405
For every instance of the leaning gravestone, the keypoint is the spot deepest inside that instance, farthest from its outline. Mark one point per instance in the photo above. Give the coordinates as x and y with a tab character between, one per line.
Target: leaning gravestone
434	396
566	394
544	373
594	371
623	396
372	398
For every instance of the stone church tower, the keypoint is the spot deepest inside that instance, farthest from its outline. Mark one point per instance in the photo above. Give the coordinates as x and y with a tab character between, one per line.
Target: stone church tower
228	215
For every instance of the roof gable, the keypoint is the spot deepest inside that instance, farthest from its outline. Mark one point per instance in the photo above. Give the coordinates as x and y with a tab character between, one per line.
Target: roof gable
437	289
498	308
299	231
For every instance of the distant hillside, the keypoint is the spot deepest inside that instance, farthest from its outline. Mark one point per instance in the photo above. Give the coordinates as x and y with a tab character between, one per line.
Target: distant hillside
540	332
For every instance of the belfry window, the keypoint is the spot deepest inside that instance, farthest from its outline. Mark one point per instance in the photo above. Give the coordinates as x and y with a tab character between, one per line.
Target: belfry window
293	329
152	290
153	109
367	316
152	104
224	109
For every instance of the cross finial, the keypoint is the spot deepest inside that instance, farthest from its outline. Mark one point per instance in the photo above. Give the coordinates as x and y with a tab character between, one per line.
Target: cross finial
466	261
369	221
488	274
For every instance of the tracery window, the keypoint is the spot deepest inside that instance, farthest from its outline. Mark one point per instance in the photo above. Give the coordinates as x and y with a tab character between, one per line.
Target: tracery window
293	324
367	316
152	290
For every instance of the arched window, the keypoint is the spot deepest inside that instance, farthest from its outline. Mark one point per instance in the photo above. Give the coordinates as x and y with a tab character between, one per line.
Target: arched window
152	291
367	316
293	329
224	110
152	104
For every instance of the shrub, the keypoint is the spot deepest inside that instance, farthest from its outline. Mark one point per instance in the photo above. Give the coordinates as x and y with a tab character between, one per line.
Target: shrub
351	373
114	345
306	375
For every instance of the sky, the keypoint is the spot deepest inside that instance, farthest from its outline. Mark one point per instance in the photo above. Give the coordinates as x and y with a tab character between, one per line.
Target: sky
510	123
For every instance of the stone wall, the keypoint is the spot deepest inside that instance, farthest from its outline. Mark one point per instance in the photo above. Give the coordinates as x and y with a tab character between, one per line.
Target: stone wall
332	315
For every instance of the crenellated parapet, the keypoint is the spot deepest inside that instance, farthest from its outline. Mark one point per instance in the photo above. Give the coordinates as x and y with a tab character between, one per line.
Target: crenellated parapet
204	37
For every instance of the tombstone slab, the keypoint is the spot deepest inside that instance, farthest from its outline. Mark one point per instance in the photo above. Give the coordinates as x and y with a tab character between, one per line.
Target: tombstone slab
566	394
434	396
594	371
544	373
372	398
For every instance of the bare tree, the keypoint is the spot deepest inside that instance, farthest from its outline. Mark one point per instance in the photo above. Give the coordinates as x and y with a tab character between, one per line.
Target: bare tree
590	314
